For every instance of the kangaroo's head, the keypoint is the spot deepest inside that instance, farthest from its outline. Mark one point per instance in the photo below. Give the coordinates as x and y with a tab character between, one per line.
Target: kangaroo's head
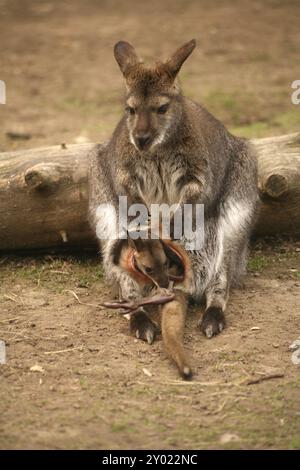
154	101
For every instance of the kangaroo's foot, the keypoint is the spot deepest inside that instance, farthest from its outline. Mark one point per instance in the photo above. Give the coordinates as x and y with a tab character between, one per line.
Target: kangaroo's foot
212	322
142	327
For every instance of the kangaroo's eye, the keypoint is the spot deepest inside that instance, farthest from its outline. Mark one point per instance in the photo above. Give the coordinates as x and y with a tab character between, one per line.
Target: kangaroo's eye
130	110
163	109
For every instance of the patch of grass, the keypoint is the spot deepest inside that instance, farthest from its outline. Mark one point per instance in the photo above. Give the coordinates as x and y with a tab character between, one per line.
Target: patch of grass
294	443
55	273
248	115
231	107
252	131
260	57
286	122
257	263
122	426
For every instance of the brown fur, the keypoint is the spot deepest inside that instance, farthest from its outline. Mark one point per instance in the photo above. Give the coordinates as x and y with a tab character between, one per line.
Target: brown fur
152	254
172	326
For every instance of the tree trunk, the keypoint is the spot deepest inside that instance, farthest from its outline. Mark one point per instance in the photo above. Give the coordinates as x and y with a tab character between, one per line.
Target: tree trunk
43	194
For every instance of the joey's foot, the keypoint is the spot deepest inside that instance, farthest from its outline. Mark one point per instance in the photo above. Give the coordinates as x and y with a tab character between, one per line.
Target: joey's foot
142	327
212	322
186	373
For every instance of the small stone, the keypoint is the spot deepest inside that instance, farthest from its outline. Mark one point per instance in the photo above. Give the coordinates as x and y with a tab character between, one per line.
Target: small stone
147	372
37	368
228	437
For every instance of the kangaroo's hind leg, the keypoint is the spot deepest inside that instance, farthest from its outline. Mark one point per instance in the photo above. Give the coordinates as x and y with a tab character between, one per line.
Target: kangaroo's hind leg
217	292
172	324
141	325
213	320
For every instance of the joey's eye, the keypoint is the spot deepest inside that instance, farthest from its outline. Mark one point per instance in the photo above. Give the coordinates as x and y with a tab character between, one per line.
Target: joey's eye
148	270
130	110
163	109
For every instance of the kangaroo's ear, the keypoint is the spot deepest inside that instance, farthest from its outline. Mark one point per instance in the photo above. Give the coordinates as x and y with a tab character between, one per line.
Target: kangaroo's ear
126	56
176	60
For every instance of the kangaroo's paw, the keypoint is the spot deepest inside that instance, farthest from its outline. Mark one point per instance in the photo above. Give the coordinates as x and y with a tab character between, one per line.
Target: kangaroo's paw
212	322
142	327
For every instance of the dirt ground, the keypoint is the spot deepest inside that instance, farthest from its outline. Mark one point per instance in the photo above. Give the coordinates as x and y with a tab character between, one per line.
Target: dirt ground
93	388
74	377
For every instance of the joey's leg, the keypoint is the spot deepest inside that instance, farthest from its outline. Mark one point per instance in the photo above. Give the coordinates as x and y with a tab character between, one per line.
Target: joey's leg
213	320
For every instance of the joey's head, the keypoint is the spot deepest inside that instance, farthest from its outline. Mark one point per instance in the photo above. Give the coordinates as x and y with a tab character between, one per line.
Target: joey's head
150	258
153	101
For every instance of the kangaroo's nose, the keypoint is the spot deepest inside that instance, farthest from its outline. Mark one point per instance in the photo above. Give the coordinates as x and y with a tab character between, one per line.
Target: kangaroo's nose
143	140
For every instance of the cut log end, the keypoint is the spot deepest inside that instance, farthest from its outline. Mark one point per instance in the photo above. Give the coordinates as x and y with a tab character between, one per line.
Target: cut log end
43	176
275	185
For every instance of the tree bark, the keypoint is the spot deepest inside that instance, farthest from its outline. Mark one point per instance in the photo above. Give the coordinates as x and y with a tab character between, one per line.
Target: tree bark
43	194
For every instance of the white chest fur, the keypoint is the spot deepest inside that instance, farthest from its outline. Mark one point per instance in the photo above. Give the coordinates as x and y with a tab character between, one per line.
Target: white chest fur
157	181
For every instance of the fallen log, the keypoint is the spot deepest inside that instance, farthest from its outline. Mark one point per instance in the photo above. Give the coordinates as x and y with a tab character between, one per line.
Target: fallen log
279	184
43	194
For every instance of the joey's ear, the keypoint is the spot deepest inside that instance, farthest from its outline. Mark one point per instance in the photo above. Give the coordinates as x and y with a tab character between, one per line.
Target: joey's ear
126	56
176	60
131	242
137	244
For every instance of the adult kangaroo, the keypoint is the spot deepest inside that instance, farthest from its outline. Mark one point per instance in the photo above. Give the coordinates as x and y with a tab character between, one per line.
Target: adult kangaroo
169	149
